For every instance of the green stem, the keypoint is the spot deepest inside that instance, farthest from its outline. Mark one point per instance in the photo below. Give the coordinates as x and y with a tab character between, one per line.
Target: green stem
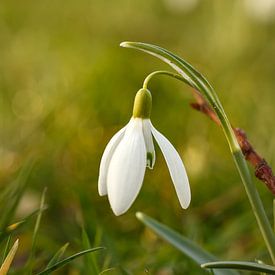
151	75
240	162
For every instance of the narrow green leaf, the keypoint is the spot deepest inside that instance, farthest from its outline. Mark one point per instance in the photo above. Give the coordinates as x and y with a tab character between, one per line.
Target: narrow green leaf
13	193
89	259
58	255
5	253
193	77
186	246
12	228
118	270
35	232
6	264
60	264
241	266
107	270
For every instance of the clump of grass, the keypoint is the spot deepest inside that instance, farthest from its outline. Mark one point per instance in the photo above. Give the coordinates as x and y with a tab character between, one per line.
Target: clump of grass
9	200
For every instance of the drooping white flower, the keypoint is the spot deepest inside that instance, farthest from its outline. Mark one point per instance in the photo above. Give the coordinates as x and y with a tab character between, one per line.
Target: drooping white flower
130	151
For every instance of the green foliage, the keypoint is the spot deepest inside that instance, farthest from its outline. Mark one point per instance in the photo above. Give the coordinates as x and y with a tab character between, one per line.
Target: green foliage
185	245
250	266
67	260
58	255
90	260
5	267
12	194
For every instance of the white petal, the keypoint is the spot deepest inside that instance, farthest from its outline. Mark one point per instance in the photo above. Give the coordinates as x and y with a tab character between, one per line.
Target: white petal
151	155
176	168
105	161
127	168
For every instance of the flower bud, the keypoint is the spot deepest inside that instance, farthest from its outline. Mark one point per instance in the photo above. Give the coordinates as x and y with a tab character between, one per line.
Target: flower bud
142	104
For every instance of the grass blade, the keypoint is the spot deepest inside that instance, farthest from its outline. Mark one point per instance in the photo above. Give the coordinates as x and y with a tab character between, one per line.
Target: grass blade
249	266
58	255
13	193
7	262
35	232
117	270
17	225
89	259
6	249
186	246
62	263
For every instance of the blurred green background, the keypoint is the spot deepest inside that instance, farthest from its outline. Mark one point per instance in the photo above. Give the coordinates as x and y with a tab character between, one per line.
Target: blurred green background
66	87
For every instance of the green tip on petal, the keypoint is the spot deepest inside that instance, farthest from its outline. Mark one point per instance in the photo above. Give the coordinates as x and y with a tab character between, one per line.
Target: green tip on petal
142	104
150	160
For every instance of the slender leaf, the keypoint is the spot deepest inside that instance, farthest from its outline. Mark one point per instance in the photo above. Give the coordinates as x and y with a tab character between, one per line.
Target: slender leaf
58	255
89	259
251	266
195	79
5	253
35	232
192	76
60	264
107	270
17	225
6	264
118	270
13	193
186	246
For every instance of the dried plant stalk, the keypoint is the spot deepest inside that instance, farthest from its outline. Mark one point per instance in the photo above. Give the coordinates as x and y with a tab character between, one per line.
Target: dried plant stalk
262	169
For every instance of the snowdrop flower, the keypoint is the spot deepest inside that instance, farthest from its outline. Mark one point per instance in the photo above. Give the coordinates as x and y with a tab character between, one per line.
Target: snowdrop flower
130	151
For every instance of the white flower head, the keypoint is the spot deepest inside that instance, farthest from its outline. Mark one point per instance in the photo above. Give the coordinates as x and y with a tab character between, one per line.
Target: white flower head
130	151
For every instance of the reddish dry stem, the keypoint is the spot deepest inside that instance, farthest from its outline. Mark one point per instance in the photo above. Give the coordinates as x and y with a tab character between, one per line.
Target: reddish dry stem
262	170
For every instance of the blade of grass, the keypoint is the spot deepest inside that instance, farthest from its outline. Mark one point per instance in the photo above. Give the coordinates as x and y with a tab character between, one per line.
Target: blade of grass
58	255
107	270
35	232
62	263
12	228
13	193
118	270
183	244
5	253
7	262
249	266
90	262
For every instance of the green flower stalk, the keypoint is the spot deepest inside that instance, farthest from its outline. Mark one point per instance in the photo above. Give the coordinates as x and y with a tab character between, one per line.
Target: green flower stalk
197	81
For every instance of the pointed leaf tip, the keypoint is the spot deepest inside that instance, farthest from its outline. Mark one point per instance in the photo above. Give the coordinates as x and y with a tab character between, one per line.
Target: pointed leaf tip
124	44
8	260
139	215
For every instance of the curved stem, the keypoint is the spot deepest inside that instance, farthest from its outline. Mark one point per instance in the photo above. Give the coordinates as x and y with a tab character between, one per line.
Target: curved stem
240	162
151	75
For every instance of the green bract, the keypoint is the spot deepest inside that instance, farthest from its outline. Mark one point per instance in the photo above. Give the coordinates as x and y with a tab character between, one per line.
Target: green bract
142	104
